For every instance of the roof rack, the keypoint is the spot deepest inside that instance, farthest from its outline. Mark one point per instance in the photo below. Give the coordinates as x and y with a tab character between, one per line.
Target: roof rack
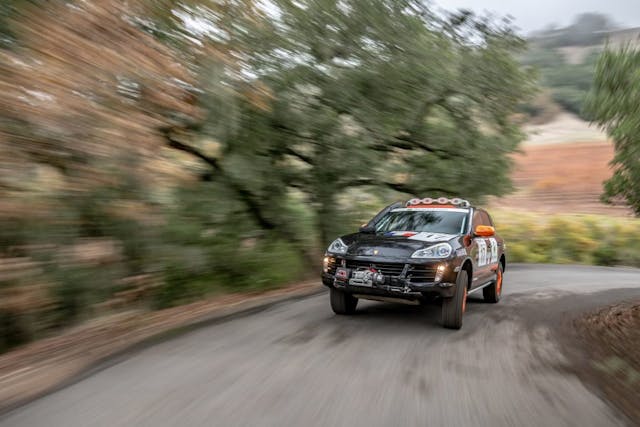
428	201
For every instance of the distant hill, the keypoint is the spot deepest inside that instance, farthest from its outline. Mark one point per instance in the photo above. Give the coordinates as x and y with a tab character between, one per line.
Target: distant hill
561	178
564	159
589	32
565	59
623	37
614	39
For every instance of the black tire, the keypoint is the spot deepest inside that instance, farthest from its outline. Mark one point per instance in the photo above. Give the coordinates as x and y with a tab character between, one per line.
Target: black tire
342	302
493	292
453	308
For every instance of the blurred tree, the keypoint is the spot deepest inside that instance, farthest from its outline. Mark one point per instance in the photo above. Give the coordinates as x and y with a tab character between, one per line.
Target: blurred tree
84	84
568	83
323	96
613	104
10	10
86	92
381	94
316	96
588	29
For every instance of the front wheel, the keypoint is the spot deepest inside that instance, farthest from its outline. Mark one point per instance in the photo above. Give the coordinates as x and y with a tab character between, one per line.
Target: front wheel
453	308
342	302
493	292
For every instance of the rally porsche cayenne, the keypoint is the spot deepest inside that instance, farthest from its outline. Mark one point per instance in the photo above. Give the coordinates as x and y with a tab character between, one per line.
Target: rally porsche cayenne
410	252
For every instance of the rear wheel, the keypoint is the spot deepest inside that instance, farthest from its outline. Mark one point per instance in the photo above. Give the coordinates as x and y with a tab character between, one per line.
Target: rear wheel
342	302
453	308
493	292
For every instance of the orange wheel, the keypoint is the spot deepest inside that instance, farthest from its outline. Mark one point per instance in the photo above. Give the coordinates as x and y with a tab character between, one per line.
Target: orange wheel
453	307
492	292
464	300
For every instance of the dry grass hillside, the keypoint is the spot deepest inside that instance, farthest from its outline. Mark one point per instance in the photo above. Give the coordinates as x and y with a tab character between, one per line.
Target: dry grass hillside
561	169
564	178
562	128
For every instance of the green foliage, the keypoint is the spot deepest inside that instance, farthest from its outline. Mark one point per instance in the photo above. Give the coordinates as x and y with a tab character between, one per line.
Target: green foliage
569	98
605	255
379	94
14	329
9	10
613	104
570	239
212	245
568	83
72	291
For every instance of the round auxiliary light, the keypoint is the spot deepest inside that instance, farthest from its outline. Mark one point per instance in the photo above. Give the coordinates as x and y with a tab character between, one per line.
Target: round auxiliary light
413	202
427	201
456	201
378	278
443	200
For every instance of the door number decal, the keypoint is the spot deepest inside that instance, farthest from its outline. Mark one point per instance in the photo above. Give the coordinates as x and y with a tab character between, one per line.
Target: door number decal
485	256
494	250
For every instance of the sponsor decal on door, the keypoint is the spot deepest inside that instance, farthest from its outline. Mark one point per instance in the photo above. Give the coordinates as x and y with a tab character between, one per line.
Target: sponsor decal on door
487	255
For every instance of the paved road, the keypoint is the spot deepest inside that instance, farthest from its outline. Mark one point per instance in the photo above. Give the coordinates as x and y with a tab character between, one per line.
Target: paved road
296	364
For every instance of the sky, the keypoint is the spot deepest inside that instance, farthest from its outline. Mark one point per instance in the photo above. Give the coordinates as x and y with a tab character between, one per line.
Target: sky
532	15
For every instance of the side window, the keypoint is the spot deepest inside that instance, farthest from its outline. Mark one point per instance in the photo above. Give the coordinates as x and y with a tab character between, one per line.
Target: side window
485	218
477	219
490	219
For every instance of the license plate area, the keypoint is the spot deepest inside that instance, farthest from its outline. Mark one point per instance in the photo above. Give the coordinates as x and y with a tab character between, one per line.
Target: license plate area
362	278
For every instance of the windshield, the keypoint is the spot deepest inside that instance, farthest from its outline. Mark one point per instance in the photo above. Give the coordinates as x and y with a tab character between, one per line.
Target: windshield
430	220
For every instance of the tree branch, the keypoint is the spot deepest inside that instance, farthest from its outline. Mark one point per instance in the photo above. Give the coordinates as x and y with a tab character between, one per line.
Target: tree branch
194	152
248	198
300	156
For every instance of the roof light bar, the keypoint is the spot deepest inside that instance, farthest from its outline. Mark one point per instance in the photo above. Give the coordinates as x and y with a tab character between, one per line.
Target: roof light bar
439	201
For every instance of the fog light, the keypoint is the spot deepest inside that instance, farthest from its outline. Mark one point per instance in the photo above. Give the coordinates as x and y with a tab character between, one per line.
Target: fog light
325	263
440	270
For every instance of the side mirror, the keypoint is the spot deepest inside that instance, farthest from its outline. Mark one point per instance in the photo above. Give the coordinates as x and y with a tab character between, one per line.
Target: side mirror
366	228
484	231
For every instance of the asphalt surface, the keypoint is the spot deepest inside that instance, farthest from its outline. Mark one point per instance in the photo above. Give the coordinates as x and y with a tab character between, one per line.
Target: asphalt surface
297	364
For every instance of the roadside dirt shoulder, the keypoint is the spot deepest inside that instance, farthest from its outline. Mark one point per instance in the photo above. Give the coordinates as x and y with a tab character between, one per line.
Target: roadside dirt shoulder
610	337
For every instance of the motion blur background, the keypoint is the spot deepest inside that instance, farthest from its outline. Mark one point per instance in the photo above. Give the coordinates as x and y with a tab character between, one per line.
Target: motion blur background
156	152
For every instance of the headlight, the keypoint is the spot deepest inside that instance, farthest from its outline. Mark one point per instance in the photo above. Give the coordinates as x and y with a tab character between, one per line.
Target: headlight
337	247
441	250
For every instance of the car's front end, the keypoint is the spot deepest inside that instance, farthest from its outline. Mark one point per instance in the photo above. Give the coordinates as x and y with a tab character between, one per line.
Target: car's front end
382	261
405	278
411	251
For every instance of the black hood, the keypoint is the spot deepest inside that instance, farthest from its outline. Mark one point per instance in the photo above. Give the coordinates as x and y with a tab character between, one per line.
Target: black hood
391	245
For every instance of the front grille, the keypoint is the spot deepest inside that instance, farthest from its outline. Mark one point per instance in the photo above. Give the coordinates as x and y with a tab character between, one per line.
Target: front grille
386	268
421	273
415	273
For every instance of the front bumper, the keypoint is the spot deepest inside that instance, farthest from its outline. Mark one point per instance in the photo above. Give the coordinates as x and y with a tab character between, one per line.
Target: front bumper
411	291
400	285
